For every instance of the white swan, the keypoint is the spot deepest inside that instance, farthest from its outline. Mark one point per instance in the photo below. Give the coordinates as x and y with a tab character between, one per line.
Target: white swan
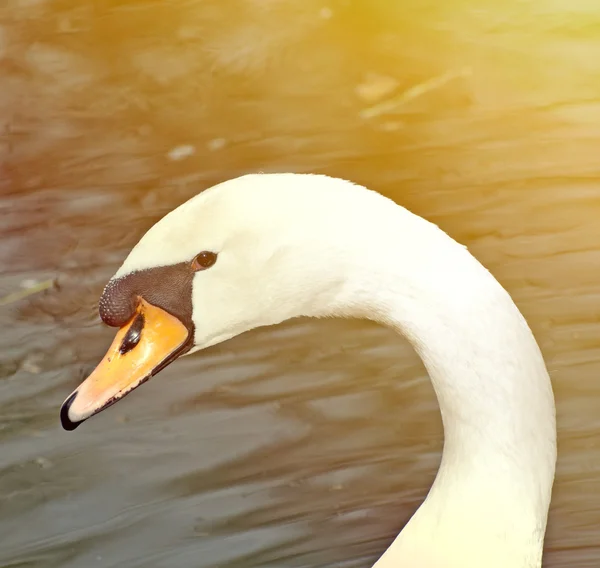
260	249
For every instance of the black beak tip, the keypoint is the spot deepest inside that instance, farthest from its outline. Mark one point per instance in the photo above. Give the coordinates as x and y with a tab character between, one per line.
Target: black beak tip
65	421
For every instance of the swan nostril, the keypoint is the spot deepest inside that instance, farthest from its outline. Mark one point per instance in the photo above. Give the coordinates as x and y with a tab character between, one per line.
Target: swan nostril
133	335
65	421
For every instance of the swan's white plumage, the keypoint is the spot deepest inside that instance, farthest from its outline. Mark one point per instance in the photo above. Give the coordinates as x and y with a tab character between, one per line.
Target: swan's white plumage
292	245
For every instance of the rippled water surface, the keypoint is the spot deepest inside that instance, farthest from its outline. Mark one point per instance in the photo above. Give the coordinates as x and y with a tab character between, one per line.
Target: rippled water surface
309	444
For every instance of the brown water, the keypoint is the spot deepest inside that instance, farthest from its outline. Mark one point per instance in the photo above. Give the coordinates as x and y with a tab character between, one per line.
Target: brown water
312	443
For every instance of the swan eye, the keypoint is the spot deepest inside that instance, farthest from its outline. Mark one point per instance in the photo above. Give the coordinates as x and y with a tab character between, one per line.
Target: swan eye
204	260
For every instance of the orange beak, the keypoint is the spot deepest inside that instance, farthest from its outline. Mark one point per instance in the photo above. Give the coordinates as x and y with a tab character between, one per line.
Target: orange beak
142	347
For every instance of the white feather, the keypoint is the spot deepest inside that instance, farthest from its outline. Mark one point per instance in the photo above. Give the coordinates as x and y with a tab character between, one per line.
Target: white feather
292	245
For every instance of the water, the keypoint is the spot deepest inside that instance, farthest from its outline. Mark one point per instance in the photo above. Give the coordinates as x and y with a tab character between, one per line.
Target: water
312	443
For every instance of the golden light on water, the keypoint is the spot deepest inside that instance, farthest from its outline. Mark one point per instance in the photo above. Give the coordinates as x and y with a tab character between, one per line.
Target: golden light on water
311	443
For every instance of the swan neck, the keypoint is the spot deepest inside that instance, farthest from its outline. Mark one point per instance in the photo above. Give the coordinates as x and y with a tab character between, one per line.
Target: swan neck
493	488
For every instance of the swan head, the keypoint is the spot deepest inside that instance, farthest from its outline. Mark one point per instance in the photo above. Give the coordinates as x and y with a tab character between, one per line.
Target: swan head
250	252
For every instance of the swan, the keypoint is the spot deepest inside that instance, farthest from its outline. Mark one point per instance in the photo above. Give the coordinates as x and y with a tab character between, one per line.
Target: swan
262	248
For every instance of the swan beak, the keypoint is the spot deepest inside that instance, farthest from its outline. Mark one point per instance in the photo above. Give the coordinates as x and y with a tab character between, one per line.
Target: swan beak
151	340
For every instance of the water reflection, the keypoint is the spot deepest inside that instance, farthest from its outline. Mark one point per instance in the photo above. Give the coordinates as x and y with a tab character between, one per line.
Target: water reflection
312	443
